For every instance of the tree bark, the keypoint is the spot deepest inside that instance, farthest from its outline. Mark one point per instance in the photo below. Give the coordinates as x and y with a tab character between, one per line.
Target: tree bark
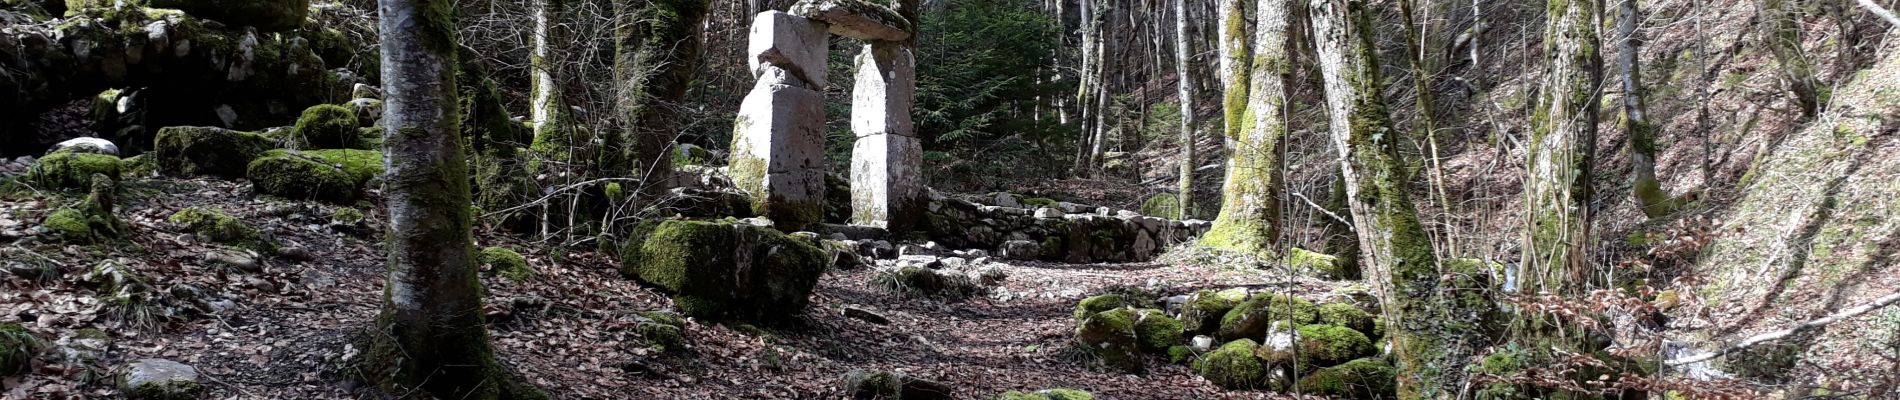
546	111
1249	218
1184	71
1783	36
1433	335
430	336
1563	137
657	46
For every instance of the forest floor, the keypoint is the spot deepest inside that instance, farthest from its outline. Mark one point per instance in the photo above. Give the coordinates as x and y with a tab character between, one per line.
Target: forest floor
288	328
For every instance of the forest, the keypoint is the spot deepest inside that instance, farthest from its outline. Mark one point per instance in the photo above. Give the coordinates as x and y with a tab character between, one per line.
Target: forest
949	199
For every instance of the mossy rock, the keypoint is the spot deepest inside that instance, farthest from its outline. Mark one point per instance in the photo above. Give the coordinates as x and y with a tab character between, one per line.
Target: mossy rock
1322	346
1180	354
17	348
213	225
326	126
1099	303
91	221
1364	378
1155	332
726	271
1035	202
1233	365
926	283
1164	205
1252	317
1350	316
1320	265
363	165
294	175
1047	394
871	385
67	169
506	263
193	150
138	166
1111	336
1203	312
664	331
265	15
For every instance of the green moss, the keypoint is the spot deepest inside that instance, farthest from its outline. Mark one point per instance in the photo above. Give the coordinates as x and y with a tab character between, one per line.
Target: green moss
363	165
664	331
1112	337
91	221
294	175
922	282
188	151
1165	205
1016	395
1096	304
1363	378
1039	202
1155	332
506	263
346	215
1350	316
213	225
1068	394
69	224
1203	312
1319	264
138	166
1326	345
1233	365
1252	317
17	347
326	126
1180	354
67	169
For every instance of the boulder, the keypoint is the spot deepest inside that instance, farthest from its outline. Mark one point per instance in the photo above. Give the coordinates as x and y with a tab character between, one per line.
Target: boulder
368	112
1232	366
265	15
326	126
872	385
1023	250
778	151
1155	332
1252	317
1112	337
1364	378
1204	309
213	225
293	175
857	19
158	379
506	263
1319	345
726	271
794	44
89	145
1099	303
70	168
1350	316
189	151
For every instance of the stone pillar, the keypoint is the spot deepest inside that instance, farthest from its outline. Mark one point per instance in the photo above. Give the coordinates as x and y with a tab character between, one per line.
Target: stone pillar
778	140
887	186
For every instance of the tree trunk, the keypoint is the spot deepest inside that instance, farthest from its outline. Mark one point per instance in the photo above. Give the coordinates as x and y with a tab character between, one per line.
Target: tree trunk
1430	345
1563	137
1183	68
1249	218
1783	36
546	110
1642	135
1085	91
656	52
430	336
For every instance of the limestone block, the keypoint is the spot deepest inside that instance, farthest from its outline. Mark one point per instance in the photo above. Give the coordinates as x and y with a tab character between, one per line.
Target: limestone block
884	90
887	184
778	152
856	19
795	44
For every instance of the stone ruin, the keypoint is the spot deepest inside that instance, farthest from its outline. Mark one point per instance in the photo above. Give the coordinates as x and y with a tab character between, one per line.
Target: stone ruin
778	145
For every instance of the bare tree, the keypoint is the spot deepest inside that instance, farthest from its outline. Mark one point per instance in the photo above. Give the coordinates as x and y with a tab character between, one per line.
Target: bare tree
1430	347
1249	218
1783	37
1646	189
430	336
1563	138
657	45
1184	72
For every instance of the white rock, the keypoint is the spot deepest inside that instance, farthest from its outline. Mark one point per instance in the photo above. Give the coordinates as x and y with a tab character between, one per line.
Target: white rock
1006	199
1202	343
887	181
365	91
856	19
790	42
159	379
1047	212
89	145
779	149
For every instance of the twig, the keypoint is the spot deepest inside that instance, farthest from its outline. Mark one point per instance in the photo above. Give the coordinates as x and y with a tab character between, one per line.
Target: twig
1323	210
1882	12
1791	331
557	192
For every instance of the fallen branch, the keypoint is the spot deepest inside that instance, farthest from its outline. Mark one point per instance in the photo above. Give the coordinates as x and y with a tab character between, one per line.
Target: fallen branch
1323	210
1791	331
1882	12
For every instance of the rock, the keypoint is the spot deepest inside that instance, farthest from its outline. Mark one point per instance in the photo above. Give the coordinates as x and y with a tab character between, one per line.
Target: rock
882	250
92	221
1204	310
859	232
1073	208
336	176
887	159
1047	212
1233	366
726	271
698	203
1112	336
17	347
159	379
1364	378
914	281
368	112
868	385
88	145
326	126
505	263
1252	317
844	254
1144	247
1202	343
1023	250
1006	199
856	19
1126	214
240	260
213	225
296	253
791	43
365	91
866	314
1099	303
920	261
1319	345
73	169
778	150
972	253
189	151
954	262
916	250
265	15
1154	331
1350	316
662	330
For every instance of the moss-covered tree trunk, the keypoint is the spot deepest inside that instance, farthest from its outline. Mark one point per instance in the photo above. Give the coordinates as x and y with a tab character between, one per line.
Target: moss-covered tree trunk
1184	72
1782	19
656	52
549	116
1249	218
1234	65
1432	335
1646	188
1563	137
429	337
